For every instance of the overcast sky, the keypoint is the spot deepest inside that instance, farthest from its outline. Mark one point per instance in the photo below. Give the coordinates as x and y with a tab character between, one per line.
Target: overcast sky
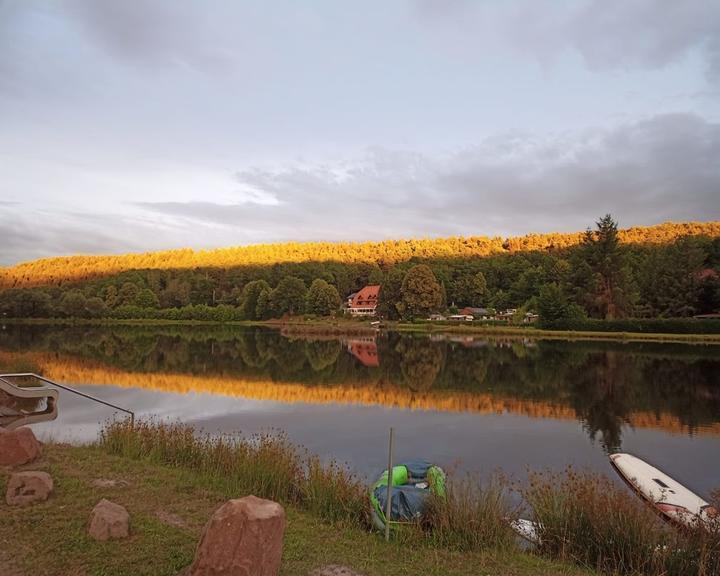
131	125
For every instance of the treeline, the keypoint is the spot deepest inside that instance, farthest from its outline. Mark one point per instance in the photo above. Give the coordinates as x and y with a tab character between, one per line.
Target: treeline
63	270
602	275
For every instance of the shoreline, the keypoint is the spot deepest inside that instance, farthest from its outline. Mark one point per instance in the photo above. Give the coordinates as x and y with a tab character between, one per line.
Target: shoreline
344	327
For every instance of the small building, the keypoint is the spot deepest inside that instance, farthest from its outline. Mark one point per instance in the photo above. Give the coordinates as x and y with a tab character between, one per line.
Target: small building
437	317
477	313
530	318
461	318
364	302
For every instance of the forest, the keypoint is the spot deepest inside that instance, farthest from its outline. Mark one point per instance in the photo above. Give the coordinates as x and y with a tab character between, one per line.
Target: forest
664	271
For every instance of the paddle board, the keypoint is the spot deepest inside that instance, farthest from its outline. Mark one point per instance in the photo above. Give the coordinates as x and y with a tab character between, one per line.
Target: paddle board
670	498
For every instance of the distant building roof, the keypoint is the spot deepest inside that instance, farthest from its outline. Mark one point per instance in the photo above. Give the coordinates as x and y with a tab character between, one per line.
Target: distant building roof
367	297
706	274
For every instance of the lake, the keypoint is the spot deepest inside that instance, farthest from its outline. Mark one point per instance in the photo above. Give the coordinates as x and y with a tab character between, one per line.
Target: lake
466	402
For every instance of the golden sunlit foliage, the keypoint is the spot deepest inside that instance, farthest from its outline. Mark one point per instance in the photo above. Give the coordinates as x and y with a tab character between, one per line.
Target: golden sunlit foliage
381	394
78	268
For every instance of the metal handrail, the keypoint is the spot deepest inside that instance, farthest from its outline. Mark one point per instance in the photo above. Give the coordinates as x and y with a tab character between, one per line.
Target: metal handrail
69	389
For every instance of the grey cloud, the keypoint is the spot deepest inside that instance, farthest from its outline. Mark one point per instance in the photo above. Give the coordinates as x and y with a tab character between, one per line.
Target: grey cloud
31	234
162	31
655	170
646	32
663	168
608	34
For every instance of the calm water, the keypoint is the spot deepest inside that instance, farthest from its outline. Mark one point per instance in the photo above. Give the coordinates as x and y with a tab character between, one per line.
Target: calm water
472	403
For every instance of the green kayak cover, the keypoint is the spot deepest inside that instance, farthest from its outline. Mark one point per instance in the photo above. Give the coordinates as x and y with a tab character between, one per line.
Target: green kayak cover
412	483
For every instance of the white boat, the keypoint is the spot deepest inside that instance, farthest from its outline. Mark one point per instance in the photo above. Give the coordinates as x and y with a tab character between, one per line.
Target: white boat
667	496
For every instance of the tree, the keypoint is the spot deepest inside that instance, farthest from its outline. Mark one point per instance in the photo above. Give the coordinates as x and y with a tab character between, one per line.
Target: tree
95	307
263	309
611	292
322	299
421	292
127	294
146	298
176	294
72	304
110	295
288	296
554	309
248	300
390	295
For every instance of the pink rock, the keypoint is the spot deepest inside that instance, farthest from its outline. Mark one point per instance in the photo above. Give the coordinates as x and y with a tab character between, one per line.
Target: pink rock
109	521
244	537
18	446
28	487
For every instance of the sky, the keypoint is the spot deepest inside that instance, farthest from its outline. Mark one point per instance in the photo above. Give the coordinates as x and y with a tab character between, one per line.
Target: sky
135	125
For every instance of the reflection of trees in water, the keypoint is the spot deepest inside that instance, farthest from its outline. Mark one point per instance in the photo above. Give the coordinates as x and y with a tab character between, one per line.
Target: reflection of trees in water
603	382
602	395
421	362
322	354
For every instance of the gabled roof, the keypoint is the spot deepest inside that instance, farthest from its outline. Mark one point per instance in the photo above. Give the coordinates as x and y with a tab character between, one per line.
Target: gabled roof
367	297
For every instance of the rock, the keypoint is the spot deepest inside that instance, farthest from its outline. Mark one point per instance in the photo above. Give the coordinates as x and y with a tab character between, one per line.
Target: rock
109	521
334	570
244	537
28	487
170	519
103	483
18	446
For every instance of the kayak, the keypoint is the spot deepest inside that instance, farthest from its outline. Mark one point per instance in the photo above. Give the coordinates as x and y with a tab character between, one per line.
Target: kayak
667	496
412	484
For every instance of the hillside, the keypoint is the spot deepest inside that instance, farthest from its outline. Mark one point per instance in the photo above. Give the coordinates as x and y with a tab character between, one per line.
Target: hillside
60	270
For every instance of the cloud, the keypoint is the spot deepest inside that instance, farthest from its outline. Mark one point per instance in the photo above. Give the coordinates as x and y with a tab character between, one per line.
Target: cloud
662	168
607	34
659	169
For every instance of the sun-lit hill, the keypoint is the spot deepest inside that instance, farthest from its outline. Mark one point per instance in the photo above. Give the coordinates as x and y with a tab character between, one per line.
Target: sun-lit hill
78	268
71	370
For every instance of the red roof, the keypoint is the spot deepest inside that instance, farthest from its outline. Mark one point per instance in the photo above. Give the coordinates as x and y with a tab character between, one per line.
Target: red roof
367	297
706	274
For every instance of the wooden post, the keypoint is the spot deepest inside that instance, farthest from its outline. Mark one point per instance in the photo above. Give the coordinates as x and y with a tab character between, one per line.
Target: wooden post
388	505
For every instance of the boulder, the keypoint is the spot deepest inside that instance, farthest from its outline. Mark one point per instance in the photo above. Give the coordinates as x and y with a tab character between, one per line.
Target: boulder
109	521
244	537
334	570
18	446
28	487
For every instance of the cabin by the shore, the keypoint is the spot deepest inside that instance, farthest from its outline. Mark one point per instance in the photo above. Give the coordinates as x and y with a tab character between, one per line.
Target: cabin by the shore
364	302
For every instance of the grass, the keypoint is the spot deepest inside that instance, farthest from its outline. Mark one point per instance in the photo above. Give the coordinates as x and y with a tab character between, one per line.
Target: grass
174	472
590	520
267	465
472	515
50	539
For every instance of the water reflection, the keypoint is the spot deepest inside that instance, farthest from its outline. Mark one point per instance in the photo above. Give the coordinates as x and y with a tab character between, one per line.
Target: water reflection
606	386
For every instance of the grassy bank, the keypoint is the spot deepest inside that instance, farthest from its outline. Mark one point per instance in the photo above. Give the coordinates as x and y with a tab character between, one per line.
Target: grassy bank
169	505
173	479
348	327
